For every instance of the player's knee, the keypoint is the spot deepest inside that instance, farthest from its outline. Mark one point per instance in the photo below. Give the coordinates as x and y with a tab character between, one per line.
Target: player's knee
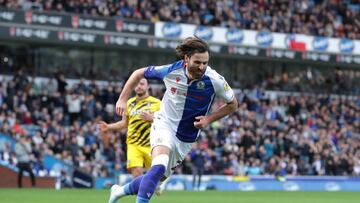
162	159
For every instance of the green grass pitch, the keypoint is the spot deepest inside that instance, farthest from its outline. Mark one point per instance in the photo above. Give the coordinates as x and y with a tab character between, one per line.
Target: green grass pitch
101	196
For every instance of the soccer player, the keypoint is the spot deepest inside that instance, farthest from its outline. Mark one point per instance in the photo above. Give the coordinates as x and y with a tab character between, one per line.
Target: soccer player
191	86
137	120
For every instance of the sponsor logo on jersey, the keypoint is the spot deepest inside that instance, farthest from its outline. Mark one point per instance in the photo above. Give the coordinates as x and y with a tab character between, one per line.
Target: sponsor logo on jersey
138	112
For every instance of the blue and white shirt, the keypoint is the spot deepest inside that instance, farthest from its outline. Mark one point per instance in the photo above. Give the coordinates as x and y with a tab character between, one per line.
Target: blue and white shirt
183	100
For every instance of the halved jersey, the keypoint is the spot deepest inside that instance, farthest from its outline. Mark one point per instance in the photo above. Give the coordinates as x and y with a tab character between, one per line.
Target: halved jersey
139	130
184	100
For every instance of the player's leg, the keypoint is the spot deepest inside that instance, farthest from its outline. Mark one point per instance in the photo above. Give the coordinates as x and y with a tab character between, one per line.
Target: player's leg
31	174
142	159
135	164
147	162
201	171
136	171
161	186
131	188
160	159
162	145
135	160
20	174
194	171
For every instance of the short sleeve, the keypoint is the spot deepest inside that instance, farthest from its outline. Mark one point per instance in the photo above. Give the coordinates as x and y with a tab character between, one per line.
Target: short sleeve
159	72
127	108
157	105
223	89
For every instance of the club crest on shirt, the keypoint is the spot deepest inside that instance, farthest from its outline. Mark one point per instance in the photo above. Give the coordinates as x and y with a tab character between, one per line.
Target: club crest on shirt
132	104
200	85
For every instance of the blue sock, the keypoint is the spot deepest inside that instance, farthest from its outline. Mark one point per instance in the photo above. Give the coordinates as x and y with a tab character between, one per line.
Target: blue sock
149	183
132	188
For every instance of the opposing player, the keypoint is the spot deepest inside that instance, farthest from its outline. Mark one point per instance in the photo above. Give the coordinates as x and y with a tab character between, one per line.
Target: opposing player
191	86
137	120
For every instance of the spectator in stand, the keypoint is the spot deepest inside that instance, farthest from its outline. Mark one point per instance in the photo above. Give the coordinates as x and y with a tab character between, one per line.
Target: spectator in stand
198	158
23	154
320	18
293	133
61	83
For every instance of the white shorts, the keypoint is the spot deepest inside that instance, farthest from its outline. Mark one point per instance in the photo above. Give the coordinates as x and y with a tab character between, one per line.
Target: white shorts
162	134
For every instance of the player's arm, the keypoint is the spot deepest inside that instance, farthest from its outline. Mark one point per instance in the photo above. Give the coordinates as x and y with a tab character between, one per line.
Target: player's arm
147	116
150	72
128	88
225	92
113	126
224	110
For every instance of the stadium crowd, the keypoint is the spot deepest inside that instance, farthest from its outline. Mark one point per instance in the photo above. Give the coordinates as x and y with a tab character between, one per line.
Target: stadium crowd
339	81
296	134
332	18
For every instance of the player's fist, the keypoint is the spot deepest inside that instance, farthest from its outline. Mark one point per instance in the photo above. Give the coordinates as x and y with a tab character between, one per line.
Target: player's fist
201	122
103	126
120	107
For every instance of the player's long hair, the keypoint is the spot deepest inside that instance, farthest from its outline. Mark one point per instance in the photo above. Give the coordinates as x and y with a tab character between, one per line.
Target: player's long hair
190	46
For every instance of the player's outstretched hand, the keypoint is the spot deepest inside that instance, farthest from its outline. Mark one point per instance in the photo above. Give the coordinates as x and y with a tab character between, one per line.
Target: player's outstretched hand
103	126
201	122
120	107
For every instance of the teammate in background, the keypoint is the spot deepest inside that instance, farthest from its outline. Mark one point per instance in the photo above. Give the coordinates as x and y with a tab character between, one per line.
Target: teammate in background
137	120
191	86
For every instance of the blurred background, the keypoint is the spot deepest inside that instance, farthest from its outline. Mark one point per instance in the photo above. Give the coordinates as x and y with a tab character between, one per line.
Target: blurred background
294	65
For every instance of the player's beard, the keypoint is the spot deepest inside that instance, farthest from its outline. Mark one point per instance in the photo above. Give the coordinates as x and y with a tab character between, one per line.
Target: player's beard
140	93
195	73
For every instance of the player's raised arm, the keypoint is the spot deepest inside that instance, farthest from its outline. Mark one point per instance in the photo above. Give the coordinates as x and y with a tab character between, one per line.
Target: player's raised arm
128	88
